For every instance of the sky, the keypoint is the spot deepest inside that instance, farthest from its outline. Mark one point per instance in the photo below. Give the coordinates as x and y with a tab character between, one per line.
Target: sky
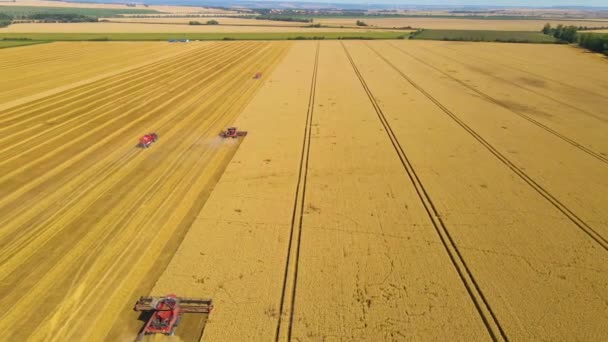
530	3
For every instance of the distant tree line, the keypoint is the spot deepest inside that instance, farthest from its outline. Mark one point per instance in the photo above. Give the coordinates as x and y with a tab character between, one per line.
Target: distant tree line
561	32
594	42
284	18
209	22
5	19
591	41
60	18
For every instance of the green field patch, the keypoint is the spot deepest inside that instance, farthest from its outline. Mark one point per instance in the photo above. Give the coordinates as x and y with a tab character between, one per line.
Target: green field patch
14	43
484	36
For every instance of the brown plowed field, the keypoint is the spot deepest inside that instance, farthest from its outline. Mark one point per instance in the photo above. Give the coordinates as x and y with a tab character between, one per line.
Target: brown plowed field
387	190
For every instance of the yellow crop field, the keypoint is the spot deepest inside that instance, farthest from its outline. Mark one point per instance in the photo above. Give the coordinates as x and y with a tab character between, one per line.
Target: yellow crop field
386	190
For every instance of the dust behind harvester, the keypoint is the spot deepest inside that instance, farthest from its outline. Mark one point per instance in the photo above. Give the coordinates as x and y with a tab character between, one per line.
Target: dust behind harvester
232	132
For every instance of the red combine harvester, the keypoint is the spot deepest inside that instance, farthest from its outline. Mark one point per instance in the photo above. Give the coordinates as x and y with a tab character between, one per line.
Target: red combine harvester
232	132
257	75
147	140
166	312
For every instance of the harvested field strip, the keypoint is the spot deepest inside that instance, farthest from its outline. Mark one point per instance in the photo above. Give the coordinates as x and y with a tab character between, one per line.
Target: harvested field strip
477	296
251	206
290	279
159	126
361	247
522	113
144	102
92	61
93	100
111	82
103	192
590	231
525	256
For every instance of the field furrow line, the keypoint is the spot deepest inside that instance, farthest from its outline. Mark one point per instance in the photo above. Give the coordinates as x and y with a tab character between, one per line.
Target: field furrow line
485	311
586	228
288	292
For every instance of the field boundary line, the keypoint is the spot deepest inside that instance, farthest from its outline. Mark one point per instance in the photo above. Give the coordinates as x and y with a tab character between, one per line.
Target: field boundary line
297	216
592	233
481	304
522	115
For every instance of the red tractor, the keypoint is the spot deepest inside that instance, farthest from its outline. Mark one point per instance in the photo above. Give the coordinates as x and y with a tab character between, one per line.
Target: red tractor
257	75
166	312
232	132
147	140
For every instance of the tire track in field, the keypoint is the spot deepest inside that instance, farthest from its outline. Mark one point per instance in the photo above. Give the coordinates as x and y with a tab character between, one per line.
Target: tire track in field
518	113
581	224
295	233
482	306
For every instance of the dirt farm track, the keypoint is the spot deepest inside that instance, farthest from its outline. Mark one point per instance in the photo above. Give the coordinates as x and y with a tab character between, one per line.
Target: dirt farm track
386	191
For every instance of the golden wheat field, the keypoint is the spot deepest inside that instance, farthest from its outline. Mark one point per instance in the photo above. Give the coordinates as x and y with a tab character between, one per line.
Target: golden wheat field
386	190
